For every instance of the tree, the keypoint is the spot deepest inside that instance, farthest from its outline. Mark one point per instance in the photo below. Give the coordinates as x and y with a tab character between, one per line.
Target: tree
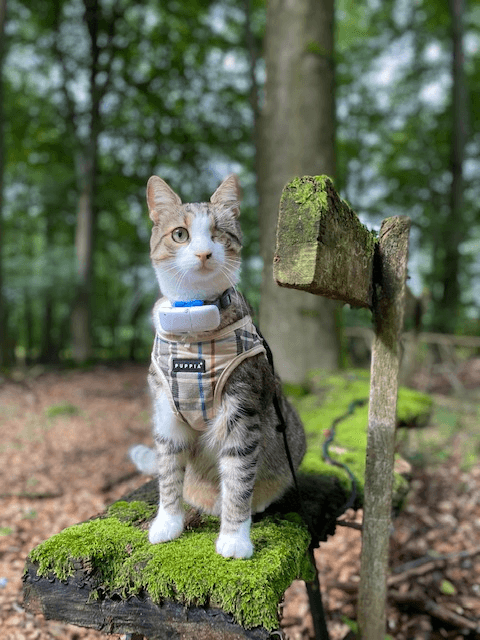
454	227
297	137
162	100
3	312
399	91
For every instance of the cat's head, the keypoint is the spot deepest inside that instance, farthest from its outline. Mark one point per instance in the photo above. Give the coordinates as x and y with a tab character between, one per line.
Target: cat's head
195	248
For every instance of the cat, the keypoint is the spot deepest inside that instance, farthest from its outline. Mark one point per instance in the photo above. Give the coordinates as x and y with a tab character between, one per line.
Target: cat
215	426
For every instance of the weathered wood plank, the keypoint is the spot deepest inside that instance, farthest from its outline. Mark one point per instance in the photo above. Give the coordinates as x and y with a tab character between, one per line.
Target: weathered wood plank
69	602
389	302
322	247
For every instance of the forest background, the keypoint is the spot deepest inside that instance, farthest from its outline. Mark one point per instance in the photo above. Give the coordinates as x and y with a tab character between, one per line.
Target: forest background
97	95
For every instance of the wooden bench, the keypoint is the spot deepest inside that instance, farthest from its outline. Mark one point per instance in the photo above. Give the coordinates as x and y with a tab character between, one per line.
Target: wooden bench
104	574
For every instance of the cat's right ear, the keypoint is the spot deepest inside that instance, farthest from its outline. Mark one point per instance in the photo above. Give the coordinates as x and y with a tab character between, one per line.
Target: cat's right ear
161	198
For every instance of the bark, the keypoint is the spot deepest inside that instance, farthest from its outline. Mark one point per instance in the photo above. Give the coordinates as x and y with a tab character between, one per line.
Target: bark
297	134
390	271
454	227
84	234
48	348
4	356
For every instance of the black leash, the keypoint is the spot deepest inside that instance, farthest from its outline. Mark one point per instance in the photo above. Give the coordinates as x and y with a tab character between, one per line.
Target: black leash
359	402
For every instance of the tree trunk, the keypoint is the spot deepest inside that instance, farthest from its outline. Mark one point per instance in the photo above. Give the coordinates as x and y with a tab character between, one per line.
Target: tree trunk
48	348
4	356
454	228
81	336
297	137
84	234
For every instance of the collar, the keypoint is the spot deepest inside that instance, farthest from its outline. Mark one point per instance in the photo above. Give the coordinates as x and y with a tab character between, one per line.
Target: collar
222	302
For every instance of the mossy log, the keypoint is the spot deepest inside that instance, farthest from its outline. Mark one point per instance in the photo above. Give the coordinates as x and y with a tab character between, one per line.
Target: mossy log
104	574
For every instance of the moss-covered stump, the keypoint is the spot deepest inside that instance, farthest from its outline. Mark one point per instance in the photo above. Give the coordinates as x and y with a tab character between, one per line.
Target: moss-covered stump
104	574
110	559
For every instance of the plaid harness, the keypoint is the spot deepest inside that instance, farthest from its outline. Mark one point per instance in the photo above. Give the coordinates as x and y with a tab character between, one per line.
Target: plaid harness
194	374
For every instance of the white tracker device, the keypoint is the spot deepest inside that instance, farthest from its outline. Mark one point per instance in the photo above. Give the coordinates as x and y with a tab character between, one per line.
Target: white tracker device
189	319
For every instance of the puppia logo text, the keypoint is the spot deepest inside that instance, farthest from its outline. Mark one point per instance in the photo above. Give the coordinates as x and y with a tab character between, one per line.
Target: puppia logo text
188	365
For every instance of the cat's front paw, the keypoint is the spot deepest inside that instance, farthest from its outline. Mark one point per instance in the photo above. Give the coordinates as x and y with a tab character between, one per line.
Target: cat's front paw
165	527
236	545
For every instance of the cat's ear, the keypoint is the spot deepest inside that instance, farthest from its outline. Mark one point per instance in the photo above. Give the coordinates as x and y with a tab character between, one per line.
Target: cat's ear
160	198
228	195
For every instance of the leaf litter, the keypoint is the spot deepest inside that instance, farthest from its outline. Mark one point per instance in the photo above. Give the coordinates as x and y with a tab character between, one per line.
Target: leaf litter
64	437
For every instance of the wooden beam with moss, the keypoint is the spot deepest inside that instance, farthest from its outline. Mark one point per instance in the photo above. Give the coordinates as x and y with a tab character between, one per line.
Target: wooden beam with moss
322	247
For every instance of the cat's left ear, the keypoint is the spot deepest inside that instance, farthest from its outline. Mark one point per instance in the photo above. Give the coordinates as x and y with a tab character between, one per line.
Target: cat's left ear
228	195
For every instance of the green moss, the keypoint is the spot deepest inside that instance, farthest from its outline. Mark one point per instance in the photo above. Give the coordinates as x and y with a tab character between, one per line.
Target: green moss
187	569
317	235
331	398
310	193
414	407
134	512
63	409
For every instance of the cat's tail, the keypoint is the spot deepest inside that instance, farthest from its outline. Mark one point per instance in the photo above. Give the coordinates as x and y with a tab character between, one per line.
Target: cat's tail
144	458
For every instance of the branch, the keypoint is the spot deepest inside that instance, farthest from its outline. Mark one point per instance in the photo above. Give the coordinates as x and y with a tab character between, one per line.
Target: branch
425	565
423	604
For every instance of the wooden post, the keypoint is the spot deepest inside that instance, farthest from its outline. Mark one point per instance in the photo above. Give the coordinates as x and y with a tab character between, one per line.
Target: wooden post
323	248
388	308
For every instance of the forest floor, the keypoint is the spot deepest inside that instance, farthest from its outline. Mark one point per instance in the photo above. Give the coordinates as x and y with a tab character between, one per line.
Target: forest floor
63	442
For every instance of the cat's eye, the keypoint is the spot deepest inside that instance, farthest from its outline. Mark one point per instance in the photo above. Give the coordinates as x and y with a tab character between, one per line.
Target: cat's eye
180	234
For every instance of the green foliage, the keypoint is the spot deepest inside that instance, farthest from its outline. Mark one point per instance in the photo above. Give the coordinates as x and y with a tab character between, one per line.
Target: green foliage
395	138
447	588
173	83
6	531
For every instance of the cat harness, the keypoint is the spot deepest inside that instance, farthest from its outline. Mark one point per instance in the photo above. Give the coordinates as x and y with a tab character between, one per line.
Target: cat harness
194	373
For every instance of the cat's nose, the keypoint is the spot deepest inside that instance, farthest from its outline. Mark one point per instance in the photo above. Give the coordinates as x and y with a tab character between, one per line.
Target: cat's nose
204	256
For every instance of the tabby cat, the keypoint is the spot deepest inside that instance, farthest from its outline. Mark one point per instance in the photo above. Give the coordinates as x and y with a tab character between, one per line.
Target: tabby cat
215	426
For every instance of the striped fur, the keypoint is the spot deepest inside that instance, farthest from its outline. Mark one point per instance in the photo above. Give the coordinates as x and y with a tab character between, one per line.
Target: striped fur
237	466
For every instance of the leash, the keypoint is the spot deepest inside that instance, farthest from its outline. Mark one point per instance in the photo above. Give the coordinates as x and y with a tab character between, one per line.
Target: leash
359	402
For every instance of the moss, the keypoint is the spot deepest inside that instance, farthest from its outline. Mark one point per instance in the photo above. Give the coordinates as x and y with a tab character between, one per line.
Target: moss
188	569
310	193
134	512
331	398
414	407
64	409
317	235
